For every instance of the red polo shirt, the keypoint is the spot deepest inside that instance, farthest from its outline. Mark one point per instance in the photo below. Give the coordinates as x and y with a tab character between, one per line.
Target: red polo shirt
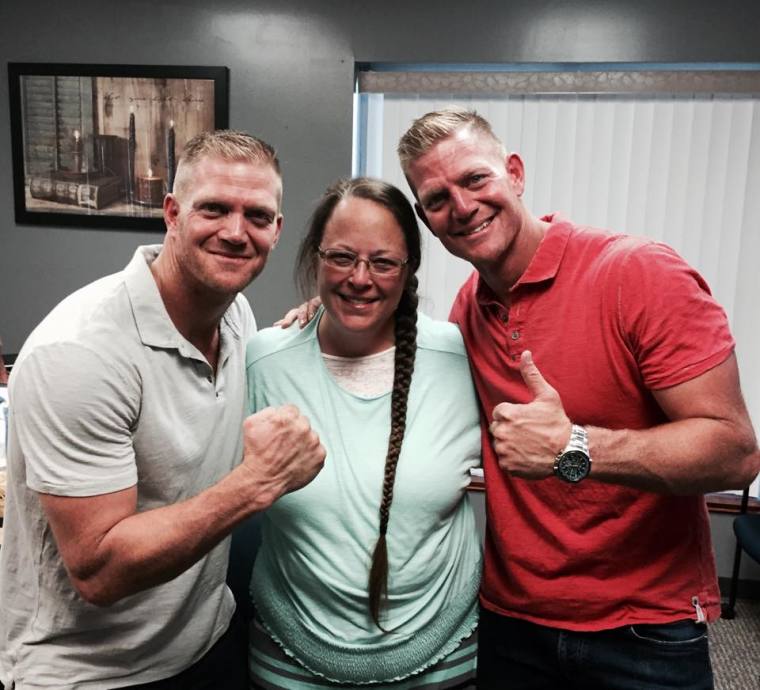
608	318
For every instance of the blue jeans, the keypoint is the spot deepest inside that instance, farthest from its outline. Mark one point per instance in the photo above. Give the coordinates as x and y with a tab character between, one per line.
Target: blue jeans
516	654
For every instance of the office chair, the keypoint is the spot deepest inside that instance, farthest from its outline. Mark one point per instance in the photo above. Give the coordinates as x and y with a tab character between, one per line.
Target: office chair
747	530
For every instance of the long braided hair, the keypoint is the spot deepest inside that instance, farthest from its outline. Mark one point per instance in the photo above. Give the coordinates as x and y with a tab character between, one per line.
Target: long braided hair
405	331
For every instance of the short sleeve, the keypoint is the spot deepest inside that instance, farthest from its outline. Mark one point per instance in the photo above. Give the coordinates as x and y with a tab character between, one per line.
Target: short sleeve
674	327
245	317
251	387
73	414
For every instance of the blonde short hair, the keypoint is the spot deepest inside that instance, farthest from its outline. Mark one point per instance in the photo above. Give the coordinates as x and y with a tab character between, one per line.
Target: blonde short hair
428	130
228	144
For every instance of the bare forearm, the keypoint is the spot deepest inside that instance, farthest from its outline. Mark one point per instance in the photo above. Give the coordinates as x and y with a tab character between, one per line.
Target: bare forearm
689	456
155	546
111	551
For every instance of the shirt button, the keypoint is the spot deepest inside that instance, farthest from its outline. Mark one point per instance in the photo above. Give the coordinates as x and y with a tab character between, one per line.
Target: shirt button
515	335
504	318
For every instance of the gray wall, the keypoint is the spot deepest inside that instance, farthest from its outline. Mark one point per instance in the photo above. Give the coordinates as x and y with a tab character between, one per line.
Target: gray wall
291	66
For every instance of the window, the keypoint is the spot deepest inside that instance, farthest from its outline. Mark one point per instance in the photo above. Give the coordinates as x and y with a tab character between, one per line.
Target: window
670	154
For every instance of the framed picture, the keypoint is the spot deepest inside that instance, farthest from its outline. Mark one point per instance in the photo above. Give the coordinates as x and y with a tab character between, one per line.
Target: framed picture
97	145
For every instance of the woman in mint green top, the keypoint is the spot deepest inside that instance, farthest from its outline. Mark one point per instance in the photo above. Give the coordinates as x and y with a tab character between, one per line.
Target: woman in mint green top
370	573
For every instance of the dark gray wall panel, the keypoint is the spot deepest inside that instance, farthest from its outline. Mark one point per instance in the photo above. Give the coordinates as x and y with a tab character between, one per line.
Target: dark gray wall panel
291	68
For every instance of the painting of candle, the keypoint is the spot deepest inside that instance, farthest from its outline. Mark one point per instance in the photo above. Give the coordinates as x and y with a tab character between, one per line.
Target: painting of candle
110	143
150	189
77	151
131	147
170	162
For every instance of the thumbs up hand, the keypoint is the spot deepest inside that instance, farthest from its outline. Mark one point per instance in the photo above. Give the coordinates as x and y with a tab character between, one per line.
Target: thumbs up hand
527	437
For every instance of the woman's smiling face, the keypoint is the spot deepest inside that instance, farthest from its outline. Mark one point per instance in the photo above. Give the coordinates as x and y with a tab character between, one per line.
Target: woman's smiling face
360	305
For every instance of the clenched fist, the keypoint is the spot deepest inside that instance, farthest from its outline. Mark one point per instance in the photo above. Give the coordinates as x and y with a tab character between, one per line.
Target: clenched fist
281	451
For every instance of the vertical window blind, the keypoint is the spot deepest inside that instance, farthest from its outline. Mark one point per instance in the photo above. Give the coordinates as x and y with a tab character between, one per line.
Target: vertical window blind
672	162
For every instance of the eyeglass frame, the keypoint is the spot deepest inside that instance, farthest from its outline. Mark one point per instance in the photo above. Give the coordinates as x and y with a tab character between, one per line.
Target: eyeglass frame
397	264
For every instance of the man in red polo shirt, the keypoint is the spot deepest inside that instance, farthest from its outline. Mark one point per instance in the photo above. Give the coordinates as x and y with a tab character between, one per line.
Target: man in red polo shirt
607	377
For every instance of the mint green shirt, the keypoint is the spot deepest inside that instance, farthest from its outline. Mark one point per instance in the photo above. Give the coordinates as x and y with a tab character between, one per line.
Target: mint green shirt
309	582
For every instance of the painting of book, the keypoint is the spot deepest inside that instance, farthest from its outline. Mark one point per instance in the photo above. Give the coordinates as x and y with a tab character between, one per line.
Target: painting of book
98	145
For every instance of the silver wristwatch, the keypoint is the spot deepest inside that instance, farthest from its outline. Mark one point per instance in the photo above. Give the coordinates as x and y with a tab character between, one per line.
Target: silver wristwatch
573	464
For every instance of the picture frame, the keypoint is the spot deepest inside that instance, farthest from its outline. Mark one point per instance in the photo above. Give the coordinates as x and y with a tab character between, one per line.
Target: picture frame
96	146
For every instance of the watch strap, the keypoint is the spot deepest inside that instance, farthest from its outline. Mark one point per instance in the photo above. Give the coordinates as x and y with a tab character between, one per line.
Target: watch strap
578	439
578	443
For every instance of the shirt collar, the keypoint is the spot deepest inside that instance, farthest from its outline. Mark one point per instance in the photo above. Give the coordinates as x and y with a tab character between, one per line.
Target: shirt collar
545	262
151	318
153	322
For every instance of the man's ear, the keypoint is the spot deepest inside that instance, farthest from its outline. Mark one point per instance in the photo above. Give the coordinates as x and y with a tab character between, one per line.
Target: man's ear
277	231
171	212
515	172
421	215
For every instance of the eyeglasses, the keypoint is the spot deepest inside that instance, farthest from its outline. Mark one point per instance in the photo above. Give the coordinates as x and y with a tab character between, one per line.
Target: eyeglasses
344	260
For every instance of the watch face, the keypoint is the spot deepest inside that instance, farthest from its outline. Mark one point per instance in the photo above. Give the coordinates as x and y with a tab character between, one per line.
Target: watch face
573	466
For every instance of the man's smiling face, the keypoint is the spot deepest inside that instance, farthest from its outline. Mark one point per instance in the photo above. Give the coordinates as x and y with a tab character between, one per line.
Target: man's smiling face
223	222
468	194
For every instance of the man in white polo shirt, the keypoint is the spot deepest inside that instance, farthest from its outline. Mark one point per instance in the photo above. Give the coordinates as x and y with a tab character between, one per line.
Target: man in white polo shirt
130	458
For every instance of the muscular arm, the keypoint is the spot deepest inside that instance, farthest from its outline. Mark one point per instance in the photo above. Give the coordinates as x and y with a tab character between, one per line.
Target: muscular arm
708	445
111	551
667	319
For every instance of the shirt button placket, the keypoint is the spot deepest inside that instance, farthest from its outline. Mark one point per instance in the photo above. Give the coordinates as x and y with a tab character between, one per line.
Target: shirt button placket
514	350
504	319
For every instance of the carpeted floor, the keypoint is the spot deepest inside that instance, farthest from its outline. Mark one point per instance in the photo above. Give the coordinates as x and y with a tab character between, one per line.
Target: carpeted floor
735	648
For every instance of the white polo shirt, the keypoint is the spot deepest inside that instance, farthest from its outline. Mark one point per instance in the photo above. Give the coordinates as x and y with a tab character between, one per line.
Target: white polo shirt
106	394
